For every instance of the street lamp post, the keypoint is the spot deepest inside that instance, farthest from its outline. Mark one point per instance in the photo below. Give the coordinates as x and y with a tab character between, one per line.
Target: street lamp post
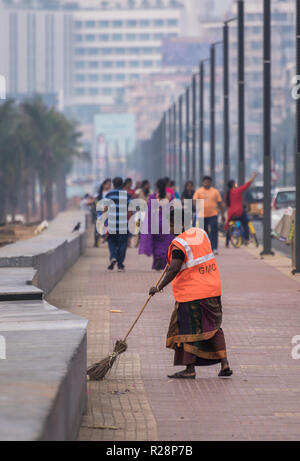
187	135
267	144
201	120
226	138
170	141
180	144
162	165
212	111
226	106
174	143
241	93
107	171
194	90
284	164
297	160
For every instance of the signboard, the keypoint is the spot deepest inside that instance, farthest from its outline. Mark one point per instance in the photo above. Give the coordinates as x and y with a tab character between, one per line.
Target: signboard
114	138
115	128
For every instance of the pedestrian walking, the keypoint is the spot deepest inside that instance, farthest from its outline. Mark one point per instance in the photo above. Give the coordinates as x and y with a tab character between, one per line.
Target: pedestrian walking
235	209
102	192
212	204
188	194
188	191
128	186
195	332
143	194
169	188
117	224
154	242
143	191
174	188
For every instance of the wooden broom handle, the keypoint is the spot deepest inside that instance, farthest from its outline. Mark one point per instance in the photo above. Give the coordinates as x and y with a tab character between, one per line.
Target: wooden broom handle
145	305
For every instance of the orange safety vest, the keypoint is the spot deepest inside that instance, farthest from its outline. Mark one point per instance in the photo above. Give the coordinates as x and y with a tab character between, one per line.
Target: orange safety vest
199	277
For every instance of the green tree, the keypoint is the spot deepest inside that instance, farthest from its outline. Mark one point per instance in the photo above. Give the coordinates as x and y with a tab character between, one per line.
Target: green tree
35	141
8	156
58	144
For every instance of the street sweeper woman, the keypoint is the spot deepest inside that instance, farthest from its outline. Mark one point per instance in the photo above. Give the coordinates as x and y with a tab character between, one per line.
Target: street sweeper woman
195	331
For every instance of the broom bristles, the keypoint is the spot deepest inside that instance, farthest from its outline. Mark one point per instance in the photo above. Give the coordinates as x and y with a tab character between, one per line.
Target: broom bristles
99	370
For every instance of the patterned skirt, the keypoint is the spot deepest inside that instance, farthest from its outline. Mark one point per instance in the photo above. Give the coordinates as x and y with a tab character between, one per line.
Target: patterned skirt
195	332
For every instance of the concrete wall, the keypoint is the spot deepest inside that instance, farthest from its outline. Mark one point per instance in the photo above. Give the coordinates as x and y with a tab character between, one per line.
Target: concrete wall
43	374
52	252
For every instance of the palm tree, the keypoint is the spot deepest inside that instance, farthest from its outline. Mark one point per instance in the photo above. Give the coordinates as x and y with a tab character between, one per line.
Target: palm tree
58	143
8	156
35	141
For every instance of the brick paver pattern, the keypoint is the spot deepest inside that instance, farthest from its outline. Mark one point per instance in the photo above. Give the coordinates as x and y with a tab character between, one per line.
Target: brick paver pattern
137	401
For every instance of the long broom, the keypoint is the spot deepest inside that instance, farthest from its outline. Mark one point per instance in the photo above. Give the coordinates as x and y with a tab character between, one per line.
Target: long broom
99	370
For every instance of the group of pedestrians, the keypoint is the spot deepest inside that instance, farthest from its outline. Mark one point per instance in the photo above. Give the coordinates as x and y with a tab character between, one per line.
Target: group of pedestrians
155	242
195	331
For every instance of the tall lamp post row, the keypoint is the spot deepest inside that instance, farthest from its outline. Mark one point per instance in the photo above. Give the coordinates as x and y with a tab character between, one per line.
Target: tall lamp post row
175	154
297	163
189	170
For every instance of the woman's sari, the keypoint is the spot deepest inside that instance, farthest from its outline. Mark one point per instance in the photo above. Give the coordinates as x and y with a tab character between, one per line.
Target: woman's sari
155	244
195	332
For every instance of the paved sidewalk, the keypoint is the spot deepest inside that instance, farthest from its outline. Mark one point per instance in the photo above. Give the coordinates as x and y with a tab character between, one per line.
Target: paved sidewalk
138	402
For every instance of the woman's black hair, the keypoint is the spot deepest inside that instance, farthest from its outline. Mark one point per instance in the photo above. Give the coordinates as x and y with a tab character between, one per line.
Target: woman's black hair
144	183
185	193
230	185
100	191
161	186
127	181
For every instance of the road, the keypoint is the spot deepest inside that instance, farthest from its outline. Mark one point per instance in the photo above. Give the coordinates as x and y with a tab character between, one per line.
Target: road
276	244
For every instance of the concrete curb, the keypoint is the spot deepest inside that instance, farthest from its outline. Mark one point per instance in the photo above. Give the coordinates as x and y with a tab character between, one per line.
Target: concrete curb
43	384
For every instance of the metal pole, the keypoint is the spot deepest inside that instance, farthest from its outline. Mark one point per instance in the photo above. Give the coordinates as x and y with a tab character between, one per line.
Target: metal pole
174	143
212	114
170	140
226	107
180	146
187	135
193	175
267	146
297	161
163	164
284	164
107	159
201	120
241	93
155	155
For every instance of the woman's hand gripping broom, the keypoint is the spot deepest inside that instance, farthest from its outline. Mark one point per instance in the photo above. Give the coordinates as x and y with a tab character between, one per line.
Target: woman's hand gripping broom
99	370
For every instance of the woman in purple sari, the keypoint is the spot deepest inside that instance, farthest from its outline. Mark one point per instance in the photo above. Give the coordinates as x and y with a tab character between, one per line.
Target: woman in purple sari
154	241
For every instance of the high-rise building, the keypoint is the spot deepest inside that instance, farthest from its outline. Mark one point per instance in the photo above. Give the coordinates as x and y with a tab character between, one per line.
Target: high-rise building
110	52
87	56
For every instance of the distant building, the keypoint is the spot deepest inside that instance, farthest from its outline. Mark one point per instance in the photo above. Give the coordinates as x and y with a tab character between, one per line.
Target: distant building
36	49
85	56
110	53
151	97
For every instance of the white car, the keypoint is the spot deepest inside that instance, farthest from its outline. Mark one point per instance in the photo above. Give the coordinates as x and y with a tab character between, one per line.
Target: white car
283	198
